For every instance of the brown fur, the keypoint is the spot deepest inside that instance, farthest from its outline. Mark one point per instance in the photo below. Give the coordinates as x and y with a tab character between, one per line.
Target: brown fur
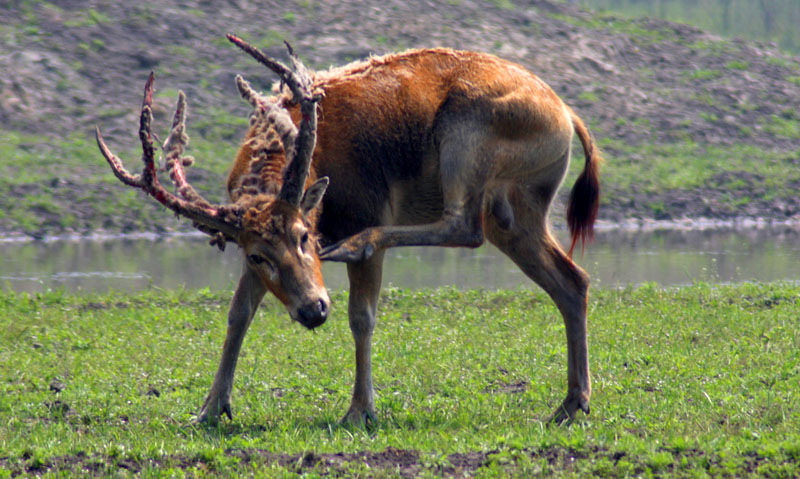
426	147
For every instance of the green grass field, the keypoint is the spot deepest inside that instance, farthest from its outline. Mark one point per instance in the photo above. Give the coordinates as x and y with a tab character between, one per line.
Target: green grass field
702	381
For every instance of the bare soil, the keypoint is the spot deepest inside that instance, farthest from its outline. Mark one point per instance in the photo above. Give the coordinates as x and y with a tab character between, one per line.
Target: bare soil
397	462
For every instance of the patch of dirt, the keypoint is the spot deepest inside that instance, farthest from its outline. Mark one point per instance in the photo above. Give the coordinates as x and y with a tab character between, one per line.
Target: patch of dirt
508	388
76	64
405	463
401	462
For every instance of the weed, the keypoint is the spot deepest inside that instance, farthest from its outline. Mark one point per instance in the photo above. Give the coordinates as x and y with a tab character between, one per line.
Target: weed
737	65
630	27
589	96
87	18
504	4
785	125
289	17
181	51
709	117
704	74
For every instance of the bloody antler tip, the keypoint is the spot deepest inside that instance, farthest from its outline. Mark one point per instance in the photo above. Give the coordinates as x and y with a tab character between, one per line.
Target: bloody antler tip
148	89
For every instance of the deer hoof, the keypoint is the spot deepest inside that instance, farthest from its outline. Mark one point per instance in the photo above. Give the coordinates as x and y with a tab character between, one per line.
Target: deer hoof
343	252
360	418
566	412
212	410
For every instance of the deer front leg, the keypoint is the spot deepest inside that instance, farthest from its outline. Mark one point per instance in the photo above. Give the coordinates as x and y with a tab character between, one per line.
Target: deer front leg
245	302
365	285
461	228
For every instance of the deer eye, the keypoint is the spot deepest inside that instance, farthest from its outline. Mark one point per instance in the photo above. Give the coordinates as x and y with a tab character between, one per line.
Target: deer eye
304	238
255	259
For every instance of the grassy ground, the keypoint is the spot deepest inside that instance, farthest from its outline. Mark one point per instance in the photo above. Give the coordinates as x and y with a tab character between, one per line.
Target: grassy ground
692	382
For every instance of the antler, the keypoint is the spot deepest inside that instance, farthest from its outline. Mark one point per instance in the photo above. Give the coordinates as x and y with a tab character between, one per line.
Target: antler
300	84
277	116
222	222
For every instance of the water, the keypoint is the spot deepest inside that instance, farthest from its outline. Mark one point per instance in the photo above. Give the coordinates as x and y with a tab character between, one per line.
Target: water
617	258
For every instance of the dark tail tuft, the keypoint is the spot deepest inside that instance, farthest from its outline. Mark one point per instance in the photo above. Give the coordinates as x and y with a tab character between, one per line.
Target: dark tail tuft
584	200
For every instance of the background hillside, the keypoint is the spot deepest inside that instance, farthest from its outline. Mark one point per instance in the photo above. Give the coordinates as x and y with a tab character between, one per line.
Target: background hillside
763	20
692	125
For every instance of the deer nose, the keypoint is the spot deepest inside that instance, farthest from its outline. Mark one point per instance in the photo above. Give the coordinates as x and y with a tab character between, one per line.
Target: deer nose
313	314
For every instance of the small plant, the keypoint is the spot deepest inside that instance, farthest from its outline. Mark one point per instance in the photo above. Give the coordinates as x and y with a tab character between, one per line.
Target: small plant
785	125
504	4
589	96
705	74
710	117
289	17
87	18
738	65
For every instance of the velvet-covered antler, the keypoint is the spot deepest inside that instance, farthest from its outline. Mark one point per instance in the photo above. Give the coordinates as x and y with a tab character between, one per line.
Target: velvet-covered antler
299	83
222	222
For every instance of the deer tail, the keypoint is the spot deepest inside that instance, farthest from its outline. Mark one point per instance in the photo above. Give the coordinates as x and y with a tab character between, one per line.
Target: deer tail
584	199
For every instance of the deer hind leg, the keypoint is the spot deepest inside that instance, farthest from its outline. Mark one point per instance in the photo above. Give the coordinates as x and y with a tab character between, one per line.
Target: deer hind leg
530	245
365	286
246	299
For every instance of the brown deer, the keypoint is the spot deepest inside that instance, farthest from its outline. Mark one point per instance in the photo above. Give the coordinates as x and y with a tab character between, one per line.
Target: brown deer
430	147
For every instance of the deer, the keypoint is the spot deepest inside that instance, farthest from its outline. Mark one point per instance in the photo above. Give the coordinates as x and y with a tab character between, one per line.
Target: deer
427	147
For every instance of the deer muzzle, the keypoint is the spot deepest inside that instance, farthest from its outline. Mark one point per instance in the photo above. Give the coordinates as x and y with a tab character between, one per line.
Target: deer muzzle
314	313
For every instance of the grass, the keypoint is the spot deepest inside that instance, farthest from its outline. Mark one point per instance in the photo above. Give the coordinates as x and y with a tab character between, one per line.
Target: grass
704	74
659	168
633	28
699	381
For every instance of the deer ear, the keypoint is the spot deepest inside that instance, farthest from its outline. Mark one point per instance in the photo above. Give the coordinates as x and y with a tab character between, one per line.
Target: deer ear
313	195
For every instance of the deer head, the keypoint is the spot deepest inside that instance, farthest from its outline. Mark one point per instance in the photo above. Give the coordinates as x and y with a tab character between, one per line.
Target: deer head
271	221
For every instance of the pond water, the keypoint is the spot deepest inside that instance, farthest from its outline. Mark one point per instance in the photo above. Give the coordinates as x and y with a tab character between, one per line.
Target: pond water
616	258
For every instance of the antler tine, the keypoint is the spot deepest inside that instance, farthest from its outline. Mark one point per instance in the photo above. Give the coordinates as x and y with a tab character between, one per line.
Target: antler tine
175	161
301	71
280	119
149	175
253	97
208	218
138	181
115	163
300	84
277	115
